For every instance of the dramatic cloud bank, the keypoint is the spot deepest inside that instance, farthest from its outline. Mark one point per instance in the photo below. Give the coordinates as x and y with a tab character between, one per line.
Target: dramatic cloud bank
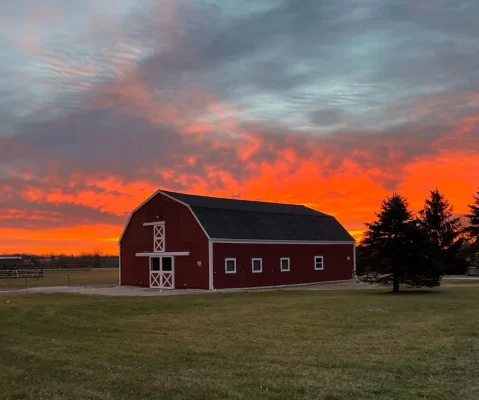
330	104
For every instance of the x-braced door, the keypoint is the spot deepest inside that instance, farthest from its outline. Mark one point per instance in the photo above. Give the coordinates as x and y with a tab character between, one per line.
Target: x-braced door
162	273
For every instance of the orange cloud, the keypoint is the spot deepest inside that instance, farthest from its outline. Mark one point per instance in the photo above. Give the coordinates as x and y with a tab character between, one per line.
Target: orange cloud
352	195
71	240
454	173
116	197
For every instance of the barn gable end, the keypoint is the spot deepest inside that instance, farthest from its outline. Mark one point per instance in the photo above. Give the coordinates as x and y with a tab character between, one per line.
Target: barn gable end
186	243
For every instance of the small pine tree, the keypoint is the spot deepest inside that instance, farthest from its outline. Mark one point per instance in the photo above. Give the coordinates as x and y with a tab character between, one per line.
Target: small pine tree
472	230
437	218
396	249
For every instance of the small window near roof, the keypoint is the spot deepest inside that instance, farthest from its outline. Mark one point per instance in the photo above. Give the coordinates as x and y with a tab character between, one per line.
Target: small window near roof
284	263
230	265
257	264
318	263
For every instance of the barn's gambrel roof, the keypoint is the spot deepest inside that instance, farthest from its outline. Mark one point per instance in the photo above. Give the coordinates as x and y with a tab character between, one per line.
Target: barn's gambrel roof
254	220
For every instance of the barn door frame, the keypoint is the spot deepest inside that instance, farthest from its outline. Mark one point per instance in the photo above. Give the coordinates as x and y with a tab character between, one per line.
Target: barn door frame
159	278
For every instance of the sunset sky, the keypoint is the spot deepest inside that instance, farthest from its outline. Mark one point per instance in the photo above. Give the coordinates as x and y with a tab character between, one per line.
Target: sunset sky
332	104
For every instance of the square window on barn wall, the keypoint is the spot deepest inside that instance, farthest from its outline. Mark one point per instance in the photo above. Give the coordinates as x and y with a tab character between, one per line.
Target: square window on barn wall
257	264
230	265
284	263
318	263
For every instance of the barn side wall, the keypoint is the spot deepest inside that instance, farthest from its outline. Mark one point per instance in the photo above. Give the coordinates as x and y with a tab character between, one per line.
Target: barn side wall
183	233
337	266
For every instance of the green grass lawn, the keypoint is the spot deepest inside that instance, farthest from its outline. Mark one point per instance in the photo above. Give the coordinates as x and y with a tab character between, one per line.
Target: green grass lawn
97	276
263	345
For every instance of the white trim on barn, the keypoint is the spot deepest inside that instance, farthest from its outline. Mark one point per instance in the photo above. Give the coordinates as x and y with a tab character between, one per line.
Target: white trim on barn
133	212
189	208
154	223
318	260
210	264
119	265
151	198
259	241
260	265
354	261
161	279
159	238
164	254
281	264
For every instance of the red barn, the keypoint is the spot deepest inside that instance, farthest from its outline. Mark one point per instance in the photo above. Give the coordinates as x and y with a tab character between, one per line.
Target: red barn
177	240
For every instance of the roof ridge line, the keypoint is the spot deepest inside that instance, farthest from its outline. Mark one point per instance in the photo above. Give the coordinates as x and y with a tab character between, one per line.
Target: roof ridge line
175	195
319	213
232	199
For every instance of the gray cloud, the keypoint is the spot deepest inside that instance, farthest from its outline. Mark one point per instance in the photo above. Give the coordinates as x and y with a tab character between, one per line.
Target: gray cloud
101	140
327	116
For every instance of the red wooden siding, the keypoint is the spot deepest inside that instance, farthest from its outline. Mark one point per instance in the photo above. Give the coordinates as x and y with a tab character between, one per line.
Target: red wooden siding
183	233
336	264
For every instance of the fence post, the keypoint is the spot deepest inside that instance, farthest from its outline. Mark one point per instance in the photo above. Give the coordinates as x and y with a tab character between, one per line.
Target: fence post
26	287
68	279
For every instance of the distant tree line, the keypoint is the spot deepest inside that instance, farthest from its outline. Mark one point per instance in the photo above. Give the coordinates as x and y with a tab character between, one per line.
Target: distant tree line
94	259
400	248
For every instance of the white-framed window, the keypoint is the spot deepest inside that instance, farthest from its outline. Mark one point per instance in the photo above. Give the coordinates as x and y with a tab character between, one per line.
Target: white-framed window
318	263
257	264
230	265
284	264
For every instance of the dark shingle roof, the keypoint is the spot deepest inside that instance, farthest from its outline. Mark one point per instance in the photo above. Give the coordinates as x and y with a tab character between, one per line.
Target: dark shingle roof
257	220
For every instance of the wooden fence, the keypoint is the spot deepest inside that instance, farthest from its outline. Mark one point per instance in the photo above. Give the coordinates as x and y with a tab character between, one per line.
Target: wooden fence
28	273
31	266
71	267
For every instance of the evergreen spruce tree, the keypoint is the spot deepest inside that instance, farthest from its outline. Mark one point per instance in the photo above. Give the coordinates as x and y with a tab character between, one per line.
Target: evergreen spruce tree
397	251
472	230
437	218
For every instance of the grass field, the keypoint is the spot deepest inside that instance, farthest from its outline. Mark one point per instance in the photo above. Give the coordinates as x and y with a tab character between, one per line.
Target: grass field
97	276
466	281
263	345
109	276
